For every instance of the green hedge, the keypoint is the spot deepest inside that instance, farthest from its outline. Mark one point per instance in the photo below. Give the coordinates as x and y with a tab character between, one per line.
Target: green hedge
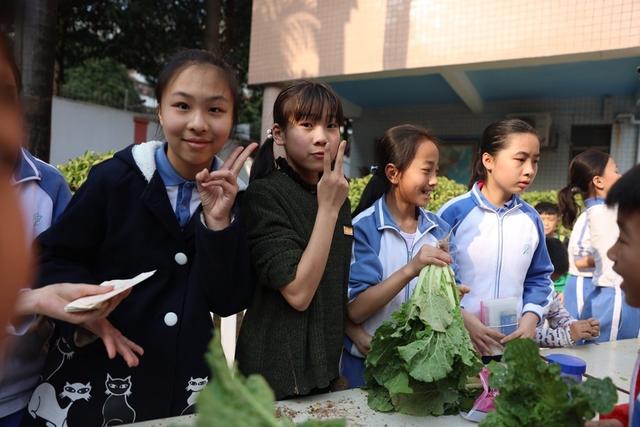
76	170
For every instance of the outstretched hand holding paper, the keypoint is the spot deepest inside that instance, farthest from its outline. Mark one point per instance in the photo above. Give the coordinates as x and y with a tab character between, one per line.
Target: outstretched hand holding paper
119	286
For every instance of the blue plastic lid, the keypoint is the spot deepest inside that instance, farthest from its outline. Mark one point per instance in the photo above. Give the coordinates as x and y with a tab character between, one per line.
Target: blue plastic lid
568	364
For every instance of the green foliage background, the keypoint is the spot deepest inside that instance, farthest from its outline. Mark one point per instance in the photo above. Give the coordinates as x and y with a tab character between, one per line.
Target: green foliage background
102	81
76	170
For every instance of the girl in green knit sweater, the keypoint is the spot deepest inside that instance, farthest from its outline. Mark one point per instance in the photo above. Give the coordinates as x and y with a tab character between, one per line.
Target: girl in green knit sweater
300	237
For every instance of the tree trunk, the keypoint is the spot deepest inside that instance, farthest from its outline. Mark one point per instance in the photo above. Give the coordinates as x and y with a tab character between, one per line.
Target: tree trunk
36	33
212	27
59	65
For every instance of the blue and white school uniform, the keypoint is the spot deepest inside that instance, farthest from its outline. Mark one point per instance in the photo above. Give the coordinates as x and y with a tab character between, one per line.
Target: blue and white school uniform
618	320
579	282
500	252
380	249
44	194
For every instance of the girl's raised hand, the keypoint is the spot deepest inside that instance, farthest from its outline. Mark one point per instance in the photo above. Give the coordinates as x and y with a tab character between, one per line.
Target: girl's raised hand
429	255
333	187
218	189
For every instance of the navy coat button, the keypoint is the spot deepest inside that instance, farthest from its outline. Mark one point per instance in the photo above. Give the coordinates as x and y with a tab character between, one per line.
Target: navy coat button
170	319
181	258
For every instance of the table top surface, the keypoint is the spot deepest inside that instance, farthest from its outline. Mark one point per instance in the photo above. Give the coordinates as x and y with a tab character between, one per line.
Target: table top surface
350	404
612	359
615	359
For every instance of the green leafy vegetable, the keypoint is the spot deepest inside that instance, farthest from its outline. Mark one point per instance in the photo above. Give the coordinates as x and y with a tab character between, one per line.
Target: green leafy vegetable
421	360
532	393
232	400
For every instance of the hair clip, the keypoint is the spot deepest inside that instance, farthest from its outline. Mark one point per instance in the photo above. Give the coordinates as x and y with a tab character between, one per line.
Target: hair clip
373	169
575	190
269	133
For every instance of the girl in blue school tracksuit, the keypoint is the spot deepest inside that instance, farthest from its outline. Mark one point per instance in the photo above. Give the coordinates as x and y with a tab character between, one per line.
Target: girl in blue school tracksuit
394	238
579	282
43	194
592	173
500	245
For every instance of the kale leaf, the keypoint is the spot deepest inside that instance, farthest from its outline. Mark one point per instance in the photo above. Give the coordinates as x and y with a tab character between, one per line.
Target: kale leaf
532	393
422	358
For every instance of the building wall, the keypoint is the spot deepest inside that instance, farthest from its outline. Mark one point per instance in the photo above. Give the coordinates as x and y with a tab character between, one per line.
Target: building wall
79	126
455	122
319	38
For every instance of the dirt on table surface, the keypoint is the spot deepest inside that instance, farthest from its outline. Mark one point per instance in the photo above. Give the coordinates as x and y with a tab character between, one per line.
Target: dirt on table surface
331	409
282	411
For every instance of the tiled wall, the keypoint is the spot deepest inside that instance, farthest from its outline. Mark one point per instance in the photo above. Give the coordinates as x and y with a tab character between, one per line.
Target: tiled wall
310	38
456	122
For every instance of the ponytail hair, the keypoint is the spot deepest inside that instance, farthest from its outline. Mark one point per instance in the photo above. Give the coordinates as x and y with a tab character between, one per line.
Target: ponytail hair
494	139
264	162
398	146
301	101
582	169
375	188
568	206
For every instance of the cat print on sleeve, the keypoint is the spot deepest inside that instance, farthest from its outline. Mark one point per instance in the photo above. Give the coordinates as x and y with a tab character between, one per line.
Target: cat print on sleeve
116	409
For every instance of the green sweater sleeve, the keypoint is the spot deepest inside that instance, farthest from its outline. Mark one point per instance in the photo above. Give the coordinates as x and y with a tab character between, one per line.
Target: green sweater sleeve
274	246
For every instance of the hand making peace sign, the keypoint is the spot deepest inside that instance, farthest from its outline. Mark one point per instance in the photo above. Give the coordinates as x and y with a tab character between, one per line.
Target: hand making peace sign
218	189
333	186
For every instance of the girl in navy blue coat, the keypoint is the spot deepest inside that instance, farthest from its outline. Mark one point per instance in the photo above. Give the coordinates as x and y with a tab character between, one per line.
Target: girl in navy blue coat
165	206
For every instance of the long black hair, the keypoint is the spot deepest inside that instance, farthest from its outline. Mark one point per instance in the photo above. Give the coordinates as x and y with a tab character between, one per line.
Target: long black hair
494	139
582	169
398	146
303	100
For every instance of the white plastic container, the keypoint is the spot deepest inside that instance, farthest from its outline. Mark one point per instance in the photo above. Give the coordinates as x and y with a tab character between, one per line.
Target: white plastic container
501	315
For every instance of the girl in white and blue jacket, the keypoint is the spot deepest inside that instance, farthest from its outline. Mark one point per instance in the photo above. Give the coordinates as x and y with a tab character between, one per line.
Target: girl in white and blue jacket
591	174
394	238
581	264
500	245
